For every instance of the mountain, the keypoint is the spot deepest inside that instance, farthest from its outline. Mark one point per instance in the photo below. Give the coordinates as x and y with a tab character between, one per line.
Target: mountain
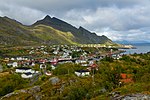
13	32
81	34
132	42
46	31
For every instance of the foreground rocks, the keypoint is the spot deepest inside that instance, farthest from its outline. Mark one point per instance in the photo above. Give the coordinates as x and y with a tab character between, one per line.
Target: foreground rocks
31	91
138	96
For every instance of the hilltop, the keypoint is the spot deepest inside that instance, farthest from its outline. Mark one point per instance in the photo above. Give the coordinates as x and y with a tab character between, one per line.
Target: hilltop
46	31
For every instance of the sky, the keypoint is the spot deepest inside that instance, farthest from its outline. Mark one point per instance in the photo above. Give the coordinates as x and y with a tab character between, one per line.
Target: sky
117	19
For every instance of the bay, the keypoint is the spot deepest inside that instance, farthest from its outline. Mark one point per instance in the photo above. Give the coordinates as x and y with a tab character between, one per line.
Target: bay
140	48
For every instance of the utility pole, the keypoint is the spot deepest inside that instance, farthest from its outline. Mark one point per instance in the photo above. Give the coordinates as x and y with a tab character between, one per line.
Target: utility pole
93	77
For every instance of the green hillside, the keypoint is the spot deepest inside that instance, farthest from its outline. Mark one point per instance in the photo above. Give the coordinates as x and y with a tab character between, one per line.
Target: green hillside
46	31
50	35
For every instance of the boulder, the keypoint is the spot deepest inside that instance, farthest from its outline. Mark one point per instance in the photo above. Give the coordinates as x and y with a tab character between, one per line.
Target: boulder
54	80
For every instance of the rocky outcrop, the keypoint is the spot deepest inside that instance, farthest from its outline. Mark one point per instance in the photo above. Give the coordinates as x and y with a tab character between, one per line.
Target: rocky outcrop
54	80
138	96
31	91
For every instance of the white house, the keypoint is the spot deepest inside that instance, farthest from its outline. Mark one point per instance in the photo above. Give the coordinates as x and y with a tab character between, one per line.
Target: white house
19	58
80	61
53	67
27	75
12	59
55	52
23	70
32	64
42	66
82	73
15	64
48	73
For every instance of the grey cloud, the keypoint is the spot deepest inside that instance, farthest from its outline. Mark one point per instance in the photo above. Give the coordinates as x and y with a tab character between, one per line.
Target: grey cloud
62	5
142	34
117	19
23	14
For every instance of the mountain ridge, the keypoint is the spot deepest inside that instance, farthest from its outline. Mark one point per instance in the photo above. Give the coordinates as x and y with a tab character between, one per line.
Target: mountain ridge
80	33
46	31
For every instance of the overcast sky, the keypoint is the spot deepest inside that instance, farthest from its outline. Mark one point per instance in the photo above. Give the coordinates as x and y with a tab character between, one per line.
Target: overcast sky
117	19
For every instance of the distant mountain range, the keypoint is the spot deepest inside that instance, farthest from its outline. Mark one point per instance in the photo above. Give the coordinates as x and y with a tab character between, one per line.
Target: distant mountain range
132	42
46	31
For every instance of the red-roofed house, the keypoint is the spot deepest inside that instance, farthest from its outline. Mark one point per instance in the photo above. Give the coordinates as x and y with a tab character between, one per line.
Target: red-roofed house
126	78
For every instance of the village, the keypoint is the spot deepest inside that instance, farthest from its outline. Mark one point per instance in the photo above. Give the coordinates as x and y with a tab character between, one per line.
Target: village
62	66
43	60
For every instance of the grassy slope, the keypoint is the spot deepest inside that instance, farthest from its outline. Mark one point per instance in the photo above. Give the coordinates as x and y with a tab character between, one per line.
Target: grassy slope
50	34
14	33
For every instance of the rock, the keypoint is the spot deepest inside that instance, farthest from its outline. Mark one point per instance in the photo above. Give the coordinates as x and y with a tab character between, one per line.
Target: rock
37	97
35	89
54	80
8	95
136	97
1	68
23	91
103	90
130	97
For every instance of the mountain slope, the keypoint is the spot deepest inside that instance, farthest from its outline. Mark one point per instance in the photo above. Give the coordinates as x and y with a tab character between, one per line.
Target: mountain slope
50	35
81	35
47	31
13	32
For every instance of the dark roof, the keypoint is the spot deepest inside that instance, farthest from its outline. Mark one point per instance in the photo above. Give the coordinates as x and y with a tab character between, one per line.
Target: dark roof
23	68
28	73
82	71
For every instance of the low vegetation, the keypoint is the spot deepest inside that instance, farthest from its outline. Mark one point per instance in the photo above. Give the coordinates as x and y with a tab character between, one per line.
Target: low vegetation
105	80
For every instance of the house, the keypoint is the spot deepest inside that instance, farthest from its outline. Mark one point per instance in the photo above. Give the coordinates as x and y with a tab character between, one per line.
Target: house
82	73
53	67
19	58
126	78
42	66
6	60
12	59
116	56
42	61
15	64
93	66
23	70
55	52
27	75
48	73
65	55
80	61
64	60
54	61
32	64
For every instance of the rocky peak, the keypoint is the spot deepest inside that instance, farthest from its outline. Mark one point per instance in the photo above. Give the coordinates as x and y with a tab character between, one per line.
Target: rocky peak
47	17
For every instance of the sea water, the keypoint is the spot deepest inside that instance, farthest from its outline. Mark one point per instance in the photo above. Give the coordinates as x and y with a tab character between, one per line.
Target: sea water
140	48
